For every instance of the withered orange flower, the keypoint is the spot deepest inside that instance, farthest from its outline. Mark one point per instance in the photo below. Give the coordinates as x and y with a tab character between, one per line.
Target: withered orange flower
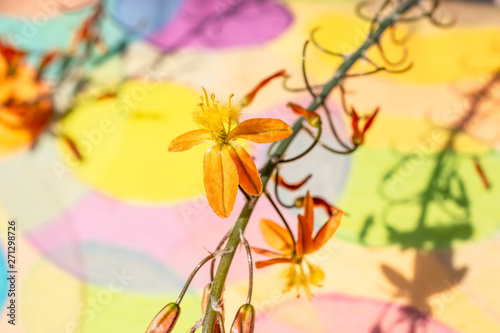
25	103
358	136
289	186
226	163
301	273
312	117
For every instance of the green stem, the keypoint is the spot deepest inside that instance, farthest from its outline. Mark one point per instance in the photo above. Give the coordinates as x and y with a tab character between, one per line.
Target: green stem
267	170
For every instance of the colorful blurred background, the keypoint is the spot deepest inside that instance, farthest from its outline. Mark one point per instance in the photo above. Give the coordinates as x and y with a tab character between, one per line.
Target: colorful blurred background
103	243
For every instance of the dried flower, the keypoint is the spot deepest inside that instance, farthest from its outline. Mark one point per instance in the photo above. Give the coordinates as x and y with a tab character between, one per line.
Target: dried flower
358	136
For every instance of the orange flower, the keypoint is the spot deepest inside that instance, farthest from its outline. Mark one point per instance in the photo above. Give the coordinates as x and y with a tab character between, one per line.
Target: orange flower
301	273
358	136
227	164
25	103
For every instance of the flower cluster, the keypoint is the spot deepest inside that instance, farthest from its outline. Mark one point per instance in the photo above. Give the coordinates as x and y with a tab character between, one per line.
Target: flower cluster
25	102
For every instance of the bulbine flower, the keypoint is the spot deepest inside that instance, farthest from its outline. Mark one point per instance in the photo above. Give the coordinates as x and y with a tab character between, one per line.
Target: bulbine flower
301	273
226	163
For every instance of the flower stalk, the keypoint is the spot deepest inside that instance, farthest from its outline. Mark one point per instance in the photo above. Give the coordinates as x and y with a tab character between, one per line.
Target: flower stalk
282	146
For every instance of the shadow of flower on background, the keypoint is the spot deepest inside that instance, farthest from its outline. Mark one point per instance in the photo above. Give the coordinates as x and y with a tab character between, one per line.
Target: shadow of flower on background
442	211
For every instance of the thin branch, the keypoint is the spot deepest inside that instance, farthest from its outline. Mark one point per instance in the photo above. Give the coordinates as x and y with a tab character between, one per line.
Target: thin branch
349	151
268	169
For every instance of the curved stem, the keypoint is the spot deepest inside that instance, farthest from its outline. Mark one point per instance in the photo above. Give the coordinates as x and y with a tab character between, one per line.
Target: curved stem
276	194
267	170
349	151
305	152
330	122
219	246
250	267
193	273
304	72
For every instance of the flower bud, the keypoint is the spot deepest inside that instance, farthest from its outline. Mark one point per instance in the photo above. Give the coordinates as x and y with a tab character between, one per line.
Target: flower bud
244	320
206	296
164	321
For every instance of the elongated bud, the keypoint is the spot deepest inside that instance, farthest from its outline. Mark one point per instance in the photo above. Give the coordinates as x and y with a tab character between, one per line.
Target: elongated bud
205	301
72	146
164	321
251	95
312	117
245	319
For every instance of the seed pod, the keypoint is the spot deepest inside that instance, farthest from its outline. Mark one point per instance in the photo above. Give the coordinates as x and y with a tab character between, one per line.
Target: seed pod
244	320
164	321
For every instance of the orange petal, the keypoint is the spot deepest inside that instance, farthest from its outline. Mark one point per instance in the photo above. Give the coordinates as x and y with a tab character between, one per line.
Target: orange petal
265	263
354	119
307	222
251	95
248	174
189	140
299	244
6	89
267	253
261	130
326	232
355	126
370	121
276	236
221	180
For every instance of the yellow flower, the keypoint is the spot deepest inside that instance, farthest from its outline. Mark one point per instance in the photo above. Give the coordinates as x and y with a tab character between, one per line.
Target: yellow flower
301	273
226	163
